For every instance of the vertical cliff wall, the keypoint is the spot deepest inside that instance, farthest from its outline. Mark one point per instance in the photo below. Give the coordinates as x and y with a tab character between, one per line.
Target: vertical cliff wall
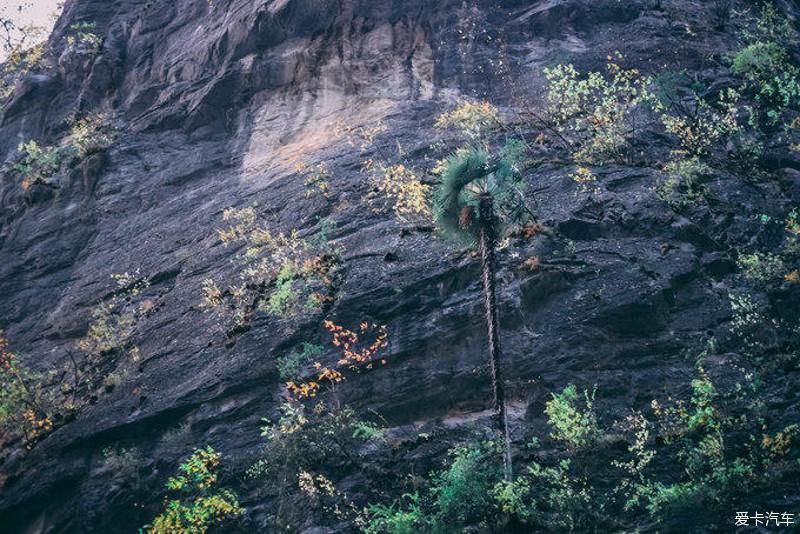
215	102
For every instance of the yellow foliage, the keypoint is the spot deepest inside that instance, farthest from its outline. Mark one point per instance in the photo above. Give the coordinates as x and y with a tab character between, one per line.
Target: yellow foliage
399	188
202	509
113	322
23	404
281	273
17	65
109	329
470	118
698	133
89	133
316	179
358	136
780	444
586	180
242	224
212	295
598	110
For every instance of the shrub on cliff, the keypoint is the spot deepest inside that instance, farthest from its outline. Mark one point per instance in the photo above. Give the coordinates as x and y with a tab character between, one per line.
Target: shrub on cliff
398	188
87	134
279	273
767	65
26	410
317	439
471	119
22	47
38	162
199	504
596	113
291	365
572	417
568	491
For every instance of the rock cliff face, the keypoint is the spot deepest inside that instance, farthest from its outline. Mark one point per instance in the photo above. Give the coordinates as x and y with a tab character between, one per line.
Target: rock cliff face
216	101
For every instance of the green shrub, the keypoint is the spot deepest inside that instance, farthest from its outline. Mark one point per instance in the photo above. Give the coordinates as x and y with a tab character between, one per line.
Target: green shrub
596	112
33	403
762	267
321	240
459	497
759	61
769	73
705	434
396	519
367	431
109	330
791	247
550	499
114	321
279	273
20	59
39	163
715	468
462	493
562	499
26	408
766	64
633	485
291	365
574	424
87	135
316	180
700	128
285	298
200	505
302	440
90	133
512	497
82	35
682	187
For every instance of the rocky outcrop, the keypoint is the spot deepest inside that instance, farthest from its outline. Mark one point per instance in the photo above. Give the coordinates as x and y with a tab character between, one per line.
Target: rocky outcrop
216	101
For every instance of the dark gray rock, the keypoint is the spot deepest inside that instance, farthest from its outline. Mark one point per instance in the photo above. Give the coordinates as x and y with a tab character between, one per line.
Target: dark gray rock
218	100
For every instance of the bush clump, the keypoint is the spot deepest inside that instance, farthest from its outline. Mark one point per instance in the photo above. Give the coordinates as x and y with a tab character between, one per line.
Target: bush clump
766	65
596	113
200	505
279	273
572	417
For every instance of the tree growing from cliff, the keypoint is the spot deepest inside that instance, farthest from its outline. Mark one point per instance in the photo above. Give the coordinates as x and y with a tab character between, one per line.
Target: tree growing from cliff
21	45
477	196
25	410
